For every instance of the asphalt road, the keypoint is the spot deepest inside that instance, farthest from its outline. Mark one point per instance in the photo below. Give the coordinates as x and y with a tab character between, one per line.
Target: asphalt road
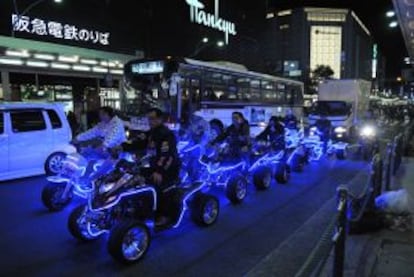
34	242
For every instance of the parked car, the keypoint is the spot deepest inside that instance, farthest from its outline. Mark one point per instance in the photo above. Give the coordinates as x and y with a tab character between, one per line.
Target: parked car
34	139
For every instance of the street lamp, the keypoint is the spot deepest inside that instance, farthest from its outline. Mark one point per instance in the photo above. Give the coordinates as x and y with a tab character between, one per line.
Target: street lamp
390	14
25	11
204	43
220	43
393	24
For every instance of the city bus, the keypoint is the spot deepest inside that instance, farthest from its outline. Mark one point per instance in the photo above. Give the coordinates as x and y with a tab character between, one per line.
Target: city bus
212	90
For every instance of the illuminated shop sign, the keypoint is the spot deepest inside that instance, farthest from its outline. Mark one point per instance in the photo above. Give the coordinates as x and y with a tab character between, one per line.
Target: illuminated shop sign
41	27
200	16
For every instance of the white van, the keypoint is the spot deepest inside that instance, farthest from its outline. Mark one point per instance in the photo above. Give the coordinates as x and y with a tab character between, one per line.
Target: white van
34	139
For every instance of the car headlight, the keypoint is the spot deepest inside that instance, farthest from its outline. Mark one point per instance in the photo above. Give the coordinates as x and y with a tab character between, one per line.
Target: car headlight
368	131
340	130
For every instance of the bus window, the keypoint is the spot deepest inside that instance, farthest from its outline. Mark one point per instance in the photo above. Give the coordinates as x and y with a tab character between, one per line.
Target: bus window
268	91
255	94
191	97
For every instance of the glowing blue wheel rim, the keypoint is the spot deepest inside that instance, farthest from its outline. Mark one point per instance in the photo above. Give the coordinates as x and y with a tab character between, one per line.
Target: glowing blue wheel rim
135	243
241	189
210	212
267	179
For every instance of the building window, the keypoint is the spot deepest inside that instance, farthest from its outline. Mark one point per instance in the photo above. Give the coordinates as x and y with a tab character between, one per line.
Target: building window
27	121
291	68
284	13
326	47
284	27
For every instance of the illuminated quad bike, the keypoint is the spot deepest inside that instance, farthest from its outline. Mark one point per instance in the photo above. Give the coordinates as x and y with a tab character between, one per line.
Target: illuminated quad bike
339	144
314	144
124	206
269	159
234	174
325	141
295	150
77	174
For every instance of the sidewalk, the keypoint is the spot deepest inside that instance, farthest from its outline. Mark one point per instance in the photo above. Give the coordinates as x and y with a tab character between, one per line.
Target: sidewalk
383	253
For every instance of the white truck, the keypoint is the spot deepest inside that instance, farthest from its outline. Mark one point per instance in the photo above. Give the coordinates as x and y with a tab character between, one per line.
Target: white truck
343	102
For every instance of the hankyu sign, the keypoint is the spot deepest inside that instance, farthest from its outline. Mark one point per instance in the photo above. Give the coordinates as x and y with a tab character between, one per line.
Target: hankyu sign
199	16
57	30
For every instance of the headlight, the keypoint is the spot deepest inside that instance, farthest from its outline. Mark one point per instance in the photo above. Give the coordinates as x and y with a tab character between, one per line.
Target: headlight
368	131
340	130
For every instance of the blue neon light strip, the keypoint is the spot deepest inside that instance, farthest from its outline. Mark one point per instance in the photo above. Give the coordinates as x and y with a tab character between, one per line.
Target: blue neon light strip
125	194
185	206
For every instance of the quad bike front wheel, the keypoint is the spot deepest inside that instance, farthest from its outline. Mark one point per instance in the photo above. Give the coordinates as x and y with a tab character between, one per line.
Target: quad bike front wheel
78	225
297	163
205	210
262	178
282	175
236	189
129	241
53	198
341	154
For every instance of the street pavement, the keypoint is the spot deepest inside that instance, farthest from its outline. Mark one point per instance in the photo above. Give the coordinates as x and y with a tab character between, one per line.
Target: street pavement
273	223
35	242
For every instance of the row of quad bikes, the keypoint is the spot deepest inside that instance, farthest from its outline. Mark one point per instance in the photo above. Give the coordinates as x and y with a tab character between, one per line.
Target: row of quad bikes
120	203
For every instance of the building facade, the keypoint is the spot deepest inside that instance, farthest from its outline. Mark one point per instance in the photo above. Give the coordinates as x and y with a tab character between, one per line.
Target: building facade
296	41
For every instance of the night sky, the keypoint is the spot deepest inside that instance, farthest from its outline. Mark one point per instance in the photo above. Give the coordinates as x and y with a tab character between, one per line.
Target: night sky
143	24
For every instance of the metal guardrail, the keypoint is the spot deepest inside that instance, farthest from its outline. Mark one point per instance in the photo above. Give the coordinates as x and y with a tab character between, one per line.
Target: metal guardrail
351	208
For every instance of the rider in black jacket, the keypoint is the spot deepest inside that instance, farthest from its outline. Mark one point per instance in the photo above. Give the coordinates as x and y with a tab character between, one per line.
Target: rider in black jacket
161	145
238	135
274	133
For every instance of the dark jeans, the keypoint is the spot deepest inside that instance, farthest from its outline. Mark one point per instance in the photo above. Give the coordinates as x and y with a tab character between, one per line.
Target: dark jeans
165	201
